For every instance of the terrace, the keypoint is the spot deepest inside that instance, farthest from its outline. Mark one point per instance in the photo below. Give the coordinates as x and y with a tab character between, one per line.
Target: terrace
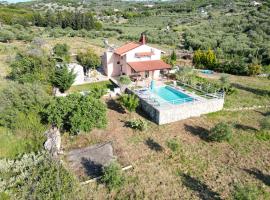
170	103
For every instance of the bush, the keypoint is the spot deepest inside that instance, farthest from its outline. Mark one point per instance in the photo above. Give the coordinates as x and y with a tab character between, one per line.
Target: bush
137	124
17	100
129	102
112	176
173	144
245	193
36	176
62	51
63	78
254	69
76	113
220	132
124	80
6	36
29	69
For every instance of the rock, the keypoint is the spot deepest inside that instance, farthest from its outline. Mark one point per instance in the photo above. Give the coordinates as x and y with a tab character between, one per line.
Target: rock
53	142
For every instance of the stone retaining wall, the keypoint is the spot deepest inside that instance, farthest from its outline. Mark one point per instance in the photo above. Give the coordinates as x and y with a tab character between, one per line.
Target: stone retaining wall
173	113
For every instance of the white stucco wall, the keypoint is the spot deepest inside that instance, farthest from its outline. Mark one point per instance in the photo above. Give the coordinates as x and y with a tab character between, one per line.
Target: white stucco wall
131	55
78	70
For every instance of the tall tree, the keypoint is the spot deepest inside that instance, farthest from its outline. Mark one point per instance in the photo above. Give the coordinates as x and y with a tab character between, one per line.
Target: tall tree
63	78
89	60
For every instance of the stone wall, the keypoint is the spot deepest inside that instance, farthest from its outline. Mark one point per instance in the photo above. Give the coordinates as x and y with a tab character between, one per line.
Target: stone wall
173	113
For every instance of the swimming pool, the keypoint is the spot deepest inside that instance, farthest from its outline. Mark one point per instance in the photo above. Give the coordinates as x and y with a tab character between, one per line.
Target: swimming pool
171	95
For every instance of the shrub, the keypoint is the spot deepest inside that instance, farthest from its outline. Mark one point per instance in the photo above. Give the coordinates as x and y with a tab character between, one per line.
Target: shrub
245	193
124	80
129	102
29	69
173	144
63	78
6	36
138	124
76	113
17	99
62	51
220	132
254	69
36	176
112	176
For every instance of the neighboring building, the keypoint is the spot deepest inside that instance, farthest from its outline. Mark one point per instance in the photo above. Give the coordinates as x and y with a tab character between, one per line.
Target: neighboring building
134	58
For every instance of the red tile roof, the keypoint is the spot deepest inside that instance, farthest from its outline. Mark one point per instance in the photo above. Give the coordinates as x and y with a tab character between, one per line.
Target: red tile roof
148	65
127	47
143	54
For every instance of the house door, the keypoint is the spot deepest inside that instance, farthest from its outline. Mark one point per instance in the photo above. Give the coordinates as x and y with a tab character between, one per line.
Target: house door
146	75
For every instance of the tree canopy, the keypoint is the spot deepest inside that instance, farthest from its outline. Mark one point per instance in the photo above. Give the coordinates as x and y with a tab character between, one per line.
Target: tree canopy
63	78
89	59
76	113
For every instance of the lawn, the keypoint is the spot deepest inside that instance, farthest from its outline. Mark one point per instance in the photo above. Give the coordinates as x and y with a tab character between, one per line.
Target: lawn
90	86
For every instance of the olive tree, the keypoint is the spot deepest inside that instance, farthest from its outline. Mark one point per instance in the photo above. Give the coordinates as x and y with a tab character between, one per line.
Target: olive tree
89	60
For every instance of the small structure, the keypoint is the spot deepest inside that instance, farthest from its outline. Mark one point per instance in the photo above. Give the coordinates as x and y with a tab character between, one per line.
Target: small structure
134	58
89	161
78	70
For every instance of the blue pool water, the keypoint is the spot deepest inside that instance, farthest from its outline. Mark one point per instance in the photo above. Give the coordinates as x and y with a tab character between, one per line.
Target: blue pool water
172	96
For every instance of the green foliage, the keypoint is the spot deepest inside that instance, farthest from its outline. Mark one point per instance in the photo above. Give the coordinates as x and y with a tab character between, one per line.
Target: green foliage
265	123
29	69
62	51
245	193
76	113
36	176
19	99
63	78
173	56
263	135
129	102
173	144
220	132
89	59
137	124
6	36
254	69
112	176
124	80
204	59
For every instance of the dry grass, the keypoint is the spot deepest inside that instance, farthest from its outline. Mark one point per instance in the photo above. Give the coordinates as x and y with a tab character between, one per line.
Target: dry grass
161	174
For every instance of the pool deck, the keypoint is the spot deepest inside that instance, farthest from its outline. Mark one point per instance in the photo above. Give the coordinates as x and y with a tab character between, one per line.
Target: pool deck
163	112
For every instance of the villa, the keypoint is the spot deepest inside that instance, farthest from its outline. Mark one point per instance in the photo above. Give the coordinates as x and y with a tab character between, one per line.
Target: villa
134	59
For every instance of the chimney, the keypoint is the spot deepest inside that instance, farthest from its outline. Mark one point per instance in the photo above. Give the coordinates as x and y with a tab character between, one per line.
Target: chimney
143	39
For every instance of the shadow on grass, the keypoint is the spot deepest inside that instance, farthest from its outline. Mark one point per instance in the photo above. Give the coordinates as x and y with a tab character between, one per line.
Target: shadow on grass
244	127
265	114
201	189
259	175
260	92
198	131
113	105
153	145
91	168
